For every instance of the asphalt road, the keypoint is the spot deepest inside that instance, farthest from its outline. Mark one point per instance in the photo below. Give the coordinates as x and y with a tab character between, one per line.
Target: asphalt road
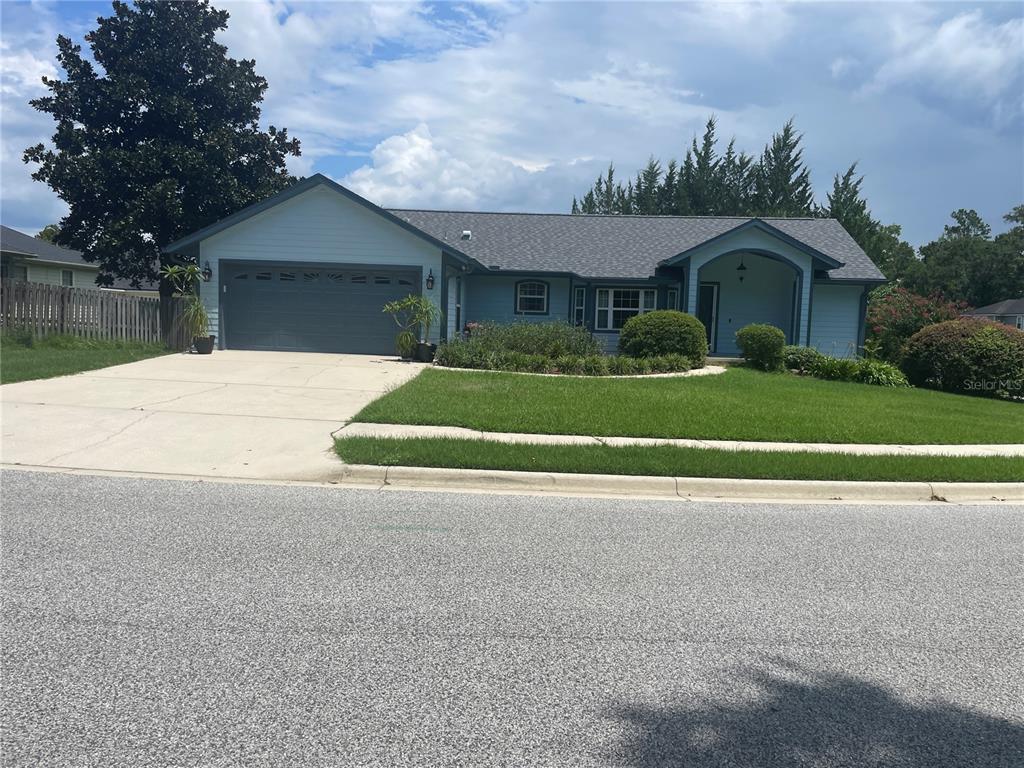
165	623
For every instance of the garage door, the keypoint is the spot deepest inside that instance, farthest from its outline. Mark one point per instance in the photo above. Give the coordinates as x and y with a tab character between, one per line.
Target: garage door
312	309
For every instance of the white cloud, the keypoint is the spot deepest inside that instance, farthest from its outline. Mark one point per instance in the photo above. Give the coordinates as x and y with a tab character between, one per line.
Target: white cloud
411	170
520	106
966	58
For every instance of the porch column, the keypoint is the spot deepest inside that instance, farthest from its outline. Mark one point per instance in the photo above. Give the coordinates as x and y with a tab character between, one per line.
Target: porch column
803	336
692	286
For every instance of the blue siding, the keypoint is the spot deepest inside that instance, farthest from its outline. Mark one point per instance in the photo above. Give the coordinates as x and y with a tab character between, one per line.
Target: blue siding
493	299
764	296
836	319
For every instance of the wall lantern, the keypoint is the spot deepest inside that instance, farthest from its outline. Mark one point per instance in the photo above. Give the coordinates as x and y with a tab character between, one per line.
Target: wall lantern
741	269
207	273
430	280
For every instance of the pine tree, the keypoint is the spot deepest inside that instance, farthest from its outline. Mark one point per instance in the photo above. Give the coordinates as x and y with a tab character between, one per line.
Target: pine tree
782	180
705	184
667	189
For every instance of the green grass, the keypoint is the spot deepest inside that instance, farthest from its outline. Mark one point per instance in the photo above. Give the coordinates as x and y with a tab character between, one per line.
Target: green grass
673	462
740	404
63	355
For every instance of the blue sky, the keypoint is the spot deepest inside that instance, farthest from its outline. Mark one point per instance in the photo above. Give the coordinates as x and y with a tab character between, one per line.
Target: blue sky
510	106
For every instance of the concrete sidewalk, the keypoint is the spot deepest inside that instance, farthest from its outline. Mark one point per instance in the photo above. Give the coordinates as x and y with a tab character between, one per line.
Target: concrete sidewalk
411	430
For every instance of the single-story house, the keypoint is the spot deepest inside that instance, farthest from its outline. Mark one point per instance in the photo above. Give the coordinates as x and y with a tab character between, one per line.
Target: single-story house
1010	312
23	257
311	267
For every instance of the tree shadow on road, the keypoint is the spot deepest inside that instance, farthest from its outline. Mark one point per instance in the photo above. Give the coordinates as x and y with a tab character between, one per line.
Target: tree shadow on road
818	720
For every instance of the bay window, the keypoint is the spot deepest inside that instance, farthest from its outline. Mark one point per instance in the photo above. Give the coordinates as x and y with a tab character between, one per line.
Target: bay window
616	305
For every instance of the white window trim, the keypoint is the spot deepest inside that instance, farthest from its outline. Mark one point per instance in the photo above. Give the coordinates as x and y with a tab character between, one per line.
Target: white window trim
519	297
71	275
607	310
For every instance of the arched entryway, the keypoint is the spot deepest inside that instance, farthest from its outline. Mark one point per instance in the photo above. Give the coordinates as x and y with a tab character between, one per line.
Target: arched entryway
747	286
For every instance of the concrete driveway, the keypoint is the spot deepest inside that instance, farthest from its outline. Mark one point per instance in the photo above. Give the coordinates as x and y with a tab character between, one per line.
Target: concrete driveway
233	414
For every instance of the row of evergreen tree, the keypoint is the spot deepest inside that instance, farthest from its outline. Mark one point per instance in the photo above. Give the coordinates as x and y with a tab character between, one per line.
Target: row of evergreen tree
735	183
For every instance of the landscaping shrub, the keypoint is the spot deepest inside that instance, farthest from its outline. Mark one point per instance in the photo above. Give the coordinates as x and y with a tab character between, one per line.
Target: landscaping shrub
762	345
664	332
969	356
671	363
895	314
595	365
17	335
469	353
835	368
880	373
547	339
797	358
571	365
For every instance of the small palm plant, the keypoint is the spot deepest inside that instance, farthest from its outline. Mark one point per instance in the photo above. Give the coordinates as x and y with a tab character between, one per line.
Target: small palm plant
193	319
412	312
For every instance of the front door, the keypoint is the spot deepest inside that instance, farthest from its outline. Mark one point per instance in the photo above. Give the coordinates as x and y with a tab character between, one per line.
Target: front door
707	312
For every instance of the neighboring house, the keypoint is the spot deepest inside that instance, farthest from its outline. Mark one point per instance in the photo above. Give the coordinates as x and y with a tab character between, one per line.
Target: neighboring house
23	257
1010	312
311	267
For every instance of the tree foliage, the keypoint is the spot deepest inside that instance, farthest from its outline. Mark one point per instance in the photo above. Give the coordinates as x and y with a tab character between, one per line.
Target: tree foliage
156	139
734	183
967	263
49	233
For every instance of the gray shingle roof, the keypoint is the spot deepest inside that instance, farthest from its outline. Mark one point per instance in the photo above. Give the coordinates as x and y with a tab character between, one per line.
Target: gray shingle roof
11	240
1007	307
616	246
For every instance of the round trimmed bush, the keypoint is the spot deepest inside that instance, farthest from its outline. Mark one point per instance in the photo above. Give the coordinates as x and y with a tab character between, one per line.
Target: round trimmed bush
664	332
762	345
970	356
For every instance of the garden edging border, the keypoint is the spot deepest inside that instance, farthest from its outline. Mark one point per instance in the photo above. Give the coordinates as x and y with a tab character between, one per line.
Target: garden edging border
707	370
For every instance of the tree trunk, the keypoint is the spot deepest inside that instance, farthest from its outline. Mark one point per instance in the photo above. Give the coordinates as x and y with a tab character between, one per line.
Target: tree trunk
166	311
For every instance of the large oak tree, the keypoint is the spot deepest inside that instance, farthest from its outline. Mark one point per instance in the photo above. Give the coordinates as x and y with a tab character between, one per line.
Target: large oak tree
157	135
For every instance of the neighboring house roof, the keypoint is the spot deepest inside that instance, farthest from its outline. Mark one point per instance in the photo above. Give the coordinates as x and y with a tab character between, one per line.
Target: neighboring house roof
1007	307
620	246
14	242
584	245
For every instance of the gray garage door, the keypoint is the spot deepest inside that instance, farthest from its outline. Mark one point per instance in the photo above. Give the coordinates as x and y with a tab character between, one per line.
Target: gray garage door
312	309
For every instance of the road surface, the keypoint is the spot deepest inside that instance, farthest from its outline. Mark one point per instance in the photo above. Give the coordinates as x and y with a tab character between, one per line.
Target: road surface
173	623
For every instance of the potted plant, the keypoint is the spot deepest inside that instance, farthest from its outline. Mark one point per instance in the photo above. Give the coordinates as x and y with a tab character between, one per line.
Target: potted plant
414	311
193	318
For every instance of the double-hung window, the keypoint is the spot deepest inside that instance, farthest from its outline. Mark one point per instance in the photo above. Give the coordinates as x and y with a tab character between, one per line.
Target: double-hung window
67	277
616	305
578	306
531	298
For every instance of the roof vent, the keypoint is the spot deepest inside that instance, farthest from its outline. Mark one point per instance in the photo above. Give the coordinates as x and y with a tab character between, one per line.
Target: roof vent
467	234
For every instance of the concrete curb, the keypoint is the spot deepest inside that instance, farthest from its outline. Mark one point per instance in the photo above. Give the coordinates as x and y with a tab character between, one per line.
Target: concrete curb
695	488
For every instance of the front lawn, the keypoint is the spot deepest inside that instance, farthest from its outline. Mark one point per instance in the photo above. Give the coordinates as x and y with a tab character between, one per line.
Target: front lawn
63	355
740	404
674	462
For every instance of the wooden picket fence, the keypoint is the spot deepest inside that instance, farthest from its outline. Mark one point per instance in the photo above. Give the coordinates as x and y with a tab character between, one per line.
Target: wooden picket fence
87	312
